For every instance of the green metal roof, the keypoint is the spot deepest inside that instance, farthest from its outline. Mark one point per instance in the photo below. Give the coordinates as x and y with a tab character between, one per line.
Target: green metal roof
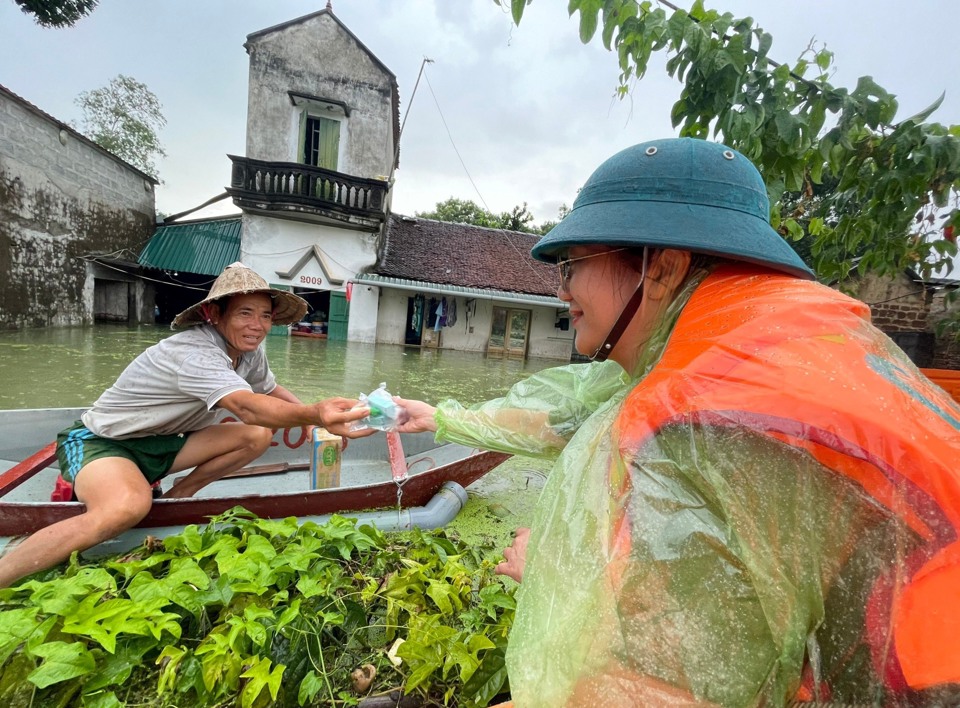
202	247
458	290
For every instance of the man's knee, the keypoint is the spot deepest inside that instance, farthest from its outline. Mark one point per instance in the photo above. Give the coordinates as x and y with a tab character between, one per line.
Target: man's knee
124	509
257	439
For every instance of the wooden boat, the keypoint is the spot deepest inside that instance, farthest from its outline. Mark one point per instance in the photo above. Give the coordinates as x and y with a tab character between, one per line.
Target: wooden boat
278	486
946	379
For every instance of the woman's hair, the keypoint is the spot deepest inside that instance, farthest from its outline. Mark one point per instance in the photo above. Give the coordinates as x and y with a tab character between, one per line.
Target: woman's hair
698	261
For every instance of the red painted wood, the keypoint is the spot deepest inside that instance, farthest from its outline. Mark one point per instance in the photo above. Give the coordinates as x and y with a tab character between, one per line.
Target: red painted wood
21	518
22	471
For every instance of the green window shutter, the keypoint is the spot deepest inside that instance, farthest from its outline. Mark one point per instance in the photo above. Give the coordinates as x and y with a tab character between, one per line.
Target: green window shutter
329	143
320	141
301	141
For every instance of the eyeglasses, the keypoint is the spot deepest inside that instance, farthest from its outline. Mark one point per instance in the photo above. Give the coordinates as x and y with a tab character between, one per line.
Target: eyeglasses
565	267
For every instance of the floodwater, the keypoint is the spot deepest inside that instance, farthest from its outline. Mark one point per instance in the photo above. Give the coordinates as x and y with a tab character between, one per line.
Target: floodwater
71	366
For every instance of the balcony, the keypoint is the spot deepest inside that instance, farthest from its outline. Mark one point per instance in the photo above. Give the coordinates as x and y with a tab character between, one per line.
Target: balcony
303	191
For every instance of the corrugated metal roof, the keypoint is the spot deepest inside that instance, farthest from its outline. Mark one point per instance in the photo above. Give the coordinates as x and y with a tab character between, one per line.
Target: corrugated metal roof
202	247
458	290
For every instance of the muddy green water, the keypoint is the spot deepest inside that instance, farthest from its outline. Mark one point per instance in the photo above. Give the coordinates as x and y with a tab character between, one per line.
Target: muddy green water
67	367
70	367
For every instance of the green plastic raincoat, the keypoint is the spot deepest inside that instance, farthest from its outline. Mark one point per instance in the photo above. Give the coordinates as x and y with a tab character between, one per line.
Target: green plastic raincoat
736	523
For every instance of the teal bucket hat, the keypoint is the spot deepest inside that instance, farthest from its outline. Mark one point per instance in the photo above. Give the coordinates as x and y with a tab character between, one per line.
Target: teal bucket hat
681	193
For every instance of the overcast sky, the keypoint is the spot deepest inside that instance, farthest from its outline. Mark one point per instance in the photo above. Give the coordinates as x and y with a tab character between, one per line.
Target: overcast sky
530	109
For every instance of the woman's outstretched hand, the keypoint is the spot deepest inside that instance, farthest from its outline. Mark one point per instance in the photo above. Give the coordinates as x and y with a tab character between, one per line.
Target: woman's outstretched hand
515	556
420	416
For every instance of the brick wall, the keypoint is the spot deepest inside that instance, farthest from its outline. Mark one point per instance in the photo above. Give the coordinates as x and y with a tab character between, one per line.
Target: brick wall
909	313
947	353
62	200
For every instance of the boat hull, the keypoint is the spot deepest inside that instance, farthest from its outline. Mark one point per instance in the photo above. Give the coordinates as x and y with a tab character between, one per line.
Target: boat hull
18	518
431	465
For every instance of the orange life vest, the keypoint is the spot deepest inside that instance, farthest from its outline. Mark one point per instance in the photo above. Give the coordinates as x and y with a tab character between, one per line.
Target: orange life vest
801	363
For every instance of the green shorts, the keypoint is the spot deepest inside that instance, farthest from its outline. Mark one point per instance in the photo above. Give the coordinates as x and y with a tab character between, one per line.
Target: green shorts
153	455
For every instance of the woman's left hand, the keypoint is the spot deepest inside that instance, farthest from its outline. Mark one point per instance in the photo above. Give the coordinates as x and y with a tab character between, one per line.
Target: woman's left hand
515	556
417	416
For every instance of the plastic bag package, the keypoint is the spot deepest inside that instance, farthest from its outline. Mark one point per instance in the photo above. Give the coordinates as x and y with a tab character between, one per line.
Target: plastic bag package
766	513
385	414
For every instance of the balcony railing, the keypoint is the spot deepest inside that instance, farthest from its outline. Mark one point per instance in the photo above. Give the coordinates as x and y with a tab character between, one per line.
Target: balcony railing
292	186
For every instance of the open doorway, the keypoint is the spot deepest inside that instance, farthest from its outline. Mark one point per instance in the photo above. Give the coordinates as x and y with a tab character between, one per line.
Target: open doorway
413	333
318	301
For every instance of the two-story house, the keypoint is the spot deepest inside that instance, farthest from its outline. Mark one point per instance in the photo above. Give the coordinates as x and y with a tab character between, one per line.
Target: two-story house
314	188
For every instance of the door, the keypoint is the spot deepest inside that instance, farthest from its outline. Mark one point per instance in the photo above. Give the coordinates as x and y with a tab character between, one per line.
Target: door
509	332
415	317
339	317
280	330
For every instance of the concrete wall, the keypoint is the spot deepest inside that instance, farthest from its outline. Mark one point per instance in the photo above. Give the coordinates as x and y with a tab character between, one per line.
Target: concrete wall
364	305
270	245
472	329
62	200
318	57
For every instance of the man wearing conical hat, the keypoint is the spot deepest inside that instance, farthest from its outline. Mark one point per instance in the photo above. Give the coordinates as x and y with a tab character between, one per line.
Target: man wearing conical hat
160	417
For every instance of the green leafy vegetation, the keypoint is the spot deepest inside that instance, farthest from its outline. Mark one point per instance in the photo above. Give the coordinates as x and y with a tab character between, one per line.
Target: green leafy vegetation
125	117
465	211
894	183
57	13
253	613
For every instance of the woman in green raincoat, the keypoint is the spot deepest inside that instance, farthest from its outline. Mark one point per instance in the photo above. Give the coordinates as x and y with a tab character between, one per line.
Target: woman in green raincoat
754	498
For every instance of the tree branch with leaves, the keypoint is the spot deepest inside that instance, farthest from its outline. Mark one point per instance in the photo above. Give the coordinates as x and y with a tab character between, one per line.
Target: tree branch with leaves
124	117
57	13
894	203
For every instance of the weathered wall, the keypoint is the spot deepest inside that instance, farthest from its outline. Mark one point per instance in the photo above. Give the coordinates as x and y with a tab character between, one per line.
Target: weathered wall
62	200
947	352
318	57
364	309
272	246
909	313
896	304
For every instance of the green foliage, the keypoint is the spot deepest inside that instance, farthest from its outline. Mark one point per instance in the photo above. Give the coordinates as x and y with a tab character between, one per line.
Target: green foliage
124	117
547	225
896	182
252	612
464	211
57	13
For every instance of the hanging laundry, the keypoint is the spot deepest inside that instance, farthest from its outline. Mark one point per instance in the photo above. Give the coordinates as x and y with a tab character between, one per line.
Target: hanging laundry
451	313
437	324
469	308
417	316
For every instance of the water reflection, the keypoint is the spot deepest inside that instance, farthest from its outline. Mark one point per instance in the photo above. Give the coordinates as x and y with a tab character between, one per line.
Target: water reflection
66	367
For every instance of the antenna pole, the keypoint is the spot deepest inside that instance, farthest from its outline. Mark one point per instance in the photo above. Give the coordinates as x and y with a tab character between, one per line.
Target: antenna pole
396	152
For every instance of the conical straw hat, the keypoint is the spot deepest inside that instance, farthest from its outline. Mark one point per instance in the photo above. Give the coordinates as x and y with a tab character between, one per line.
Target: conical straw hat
237	279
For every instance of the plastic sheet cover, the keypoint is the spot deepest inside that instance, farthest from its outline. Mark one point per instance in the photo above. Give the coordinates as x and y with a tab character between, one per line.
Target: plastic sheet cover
764	512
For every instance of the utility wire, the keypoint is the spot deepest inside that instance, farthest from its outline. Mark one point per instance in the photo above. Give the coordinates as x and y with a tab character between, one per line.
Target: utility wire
449	135
396	152
524	257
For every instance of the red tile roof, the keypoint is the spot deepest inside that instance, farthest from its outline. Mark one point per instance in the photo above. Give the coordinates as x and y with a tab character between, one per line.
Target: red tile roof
468	256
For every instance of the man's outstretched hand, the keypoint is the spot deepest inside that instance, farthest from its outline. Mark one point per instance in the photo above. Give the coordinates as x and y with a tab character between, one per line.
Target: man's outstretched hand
338	414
